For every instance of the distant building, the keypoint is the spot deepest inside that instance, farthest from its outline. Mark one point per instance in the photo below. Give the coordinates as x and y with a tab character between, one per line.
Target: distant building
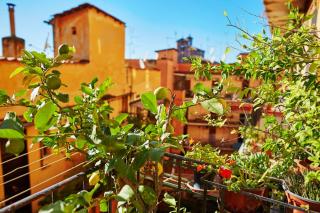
186	50
177	76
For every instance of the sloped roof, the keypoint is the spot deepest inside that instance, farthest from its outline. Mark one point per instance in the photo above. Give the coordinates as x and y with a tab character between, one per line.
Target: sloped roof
82	7
277	10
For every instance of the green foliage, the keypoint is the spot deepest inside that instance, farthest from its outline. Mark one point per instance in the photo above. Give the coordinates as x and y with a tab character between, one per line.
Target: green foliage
171	201
206	153
11	127
308	186
149	101
287	66
213	105
85	125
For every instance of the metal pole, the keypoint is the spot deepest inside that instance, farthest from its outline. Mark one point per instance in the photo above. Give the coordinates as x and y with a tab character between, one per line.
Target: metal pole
179	185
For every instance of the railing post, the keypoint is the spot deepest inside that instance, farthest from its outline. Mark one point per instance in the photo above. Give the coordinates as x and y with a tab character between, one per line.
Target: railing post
179	185
205	193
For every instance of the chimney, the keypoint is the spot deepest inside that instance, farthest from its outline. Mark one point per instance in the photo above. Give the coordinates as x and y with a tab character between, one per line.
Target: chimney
11	16
12	46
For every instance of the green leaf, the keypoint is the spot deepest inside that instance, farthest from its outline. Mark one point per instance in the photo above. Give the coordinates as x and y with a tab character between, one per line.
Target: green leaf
11	127
314	66
103	205
227	51
44	115
64	98
20	93
127	128
225	13
78	100
28	114
104	87
213	105
133	138
199	88
3	97
148	195
120	118
80	142
149	102
126	193
11	134
57	207
168	199
156	154
180	112
140	158
87	90
17	71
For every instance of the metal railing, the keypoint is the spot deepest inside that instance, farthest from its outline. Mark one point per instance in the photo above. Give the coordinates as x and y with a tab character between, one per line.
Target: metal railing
175	180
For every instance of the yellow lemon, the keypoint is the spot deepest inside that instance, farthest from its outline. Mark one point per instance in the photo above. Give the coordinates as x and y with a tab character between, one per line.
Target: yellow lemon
94	178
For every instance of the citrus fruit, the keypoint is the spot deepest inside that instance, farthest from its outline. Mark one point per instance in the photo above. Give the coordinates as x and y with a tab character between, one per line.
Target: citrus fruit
15	146
160	169
161	93
53	82
94	178
63	49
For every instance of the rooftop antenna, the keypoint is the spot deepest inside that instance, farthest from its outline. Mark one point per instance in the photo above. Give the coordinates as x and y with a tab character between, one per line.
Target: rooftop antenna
46	44
131	44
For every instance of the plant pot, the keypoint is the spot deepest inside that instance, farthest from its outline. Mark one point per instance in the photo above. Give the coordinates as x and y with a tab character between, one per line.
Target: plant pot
297	200
304	166
240	203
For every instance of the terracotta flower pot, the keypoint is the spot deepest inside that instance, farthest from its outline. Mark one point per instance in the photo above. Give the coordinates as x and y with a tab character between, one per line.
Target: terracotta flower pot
304	166
240	203
297	200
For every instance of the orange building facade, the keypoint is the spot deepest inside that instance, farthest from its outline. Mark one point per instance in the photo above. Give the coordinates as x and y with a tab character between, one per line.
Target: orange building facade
99	39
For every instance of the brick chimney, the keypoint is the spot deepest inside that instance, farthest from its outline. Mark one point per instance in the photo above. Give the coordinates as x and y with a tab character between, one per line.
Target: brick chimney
12	46
11	17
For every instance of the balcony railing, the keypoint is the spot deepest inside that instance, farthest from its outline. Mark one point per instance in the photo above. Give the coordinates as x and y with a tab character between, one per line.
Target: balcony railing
177	177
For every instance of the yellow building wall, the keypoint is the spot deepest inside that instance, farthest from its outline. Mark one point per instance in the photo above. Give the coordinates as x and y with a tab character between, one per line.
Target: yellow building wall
107	50
143	80
63	33
103	42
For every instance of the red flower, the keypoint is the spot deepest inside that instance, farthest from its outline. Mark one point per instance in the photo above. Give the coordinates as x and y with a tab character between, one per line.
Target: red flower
225	173
200	167
269	153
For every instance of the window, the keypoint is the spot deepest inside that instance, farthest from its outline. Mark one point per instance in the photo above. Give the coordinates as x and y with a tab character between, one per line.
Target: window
179	82
74	31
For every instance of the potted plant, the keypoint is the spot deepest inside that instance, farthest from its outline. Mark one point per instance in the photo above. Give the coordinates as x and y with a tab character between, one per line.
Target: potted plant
211	159
287	66
244	173
303	190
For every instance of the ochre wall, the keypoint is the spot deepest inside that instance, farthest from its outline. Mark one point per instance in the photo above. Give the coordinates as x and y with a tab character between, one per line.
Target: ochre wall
143	80
63	27
100	40
107	49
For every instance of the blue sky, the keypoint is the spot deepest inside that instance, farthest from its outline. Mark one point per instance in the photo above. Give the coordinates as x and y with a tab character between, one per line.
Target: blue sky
151	24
